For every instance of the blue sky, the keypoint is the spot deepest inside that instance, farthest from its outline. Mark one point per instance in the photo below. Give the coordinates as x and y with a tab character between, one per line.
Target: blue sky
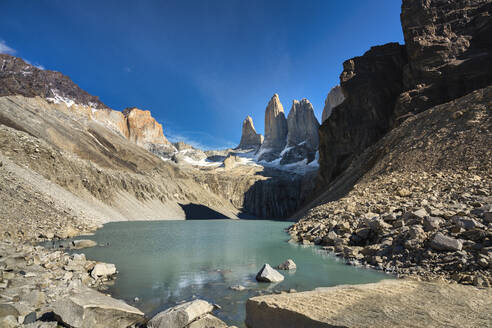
199	66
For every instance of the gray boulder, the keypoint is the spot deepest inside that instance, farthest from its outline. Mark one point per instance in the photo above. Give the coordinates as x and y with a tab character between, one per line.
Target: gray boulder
208	321
181	315
287	265
83	243
441	242
91	309
269	274
103	270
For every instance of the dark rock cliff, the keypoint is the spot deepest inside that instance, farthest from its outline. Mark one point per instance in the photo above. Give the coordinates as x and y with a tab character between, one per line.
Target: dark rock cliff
448	53
371	84
449	47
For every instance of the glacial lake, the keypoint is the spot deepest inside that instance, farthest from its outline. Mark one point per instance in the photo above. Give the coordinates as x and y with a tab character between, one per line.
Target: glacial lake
167	262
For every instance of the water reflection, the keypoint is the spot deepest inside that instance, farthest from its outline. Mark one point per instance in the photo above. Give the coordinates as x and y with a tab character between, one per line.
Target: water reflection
165	262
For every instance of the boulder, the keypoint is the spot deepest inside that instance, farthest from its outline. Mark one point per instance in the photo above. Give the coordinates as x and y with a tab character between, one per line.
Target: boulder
208	321
83	243
181	315
389	303
269	274
287	265
91	309
330	239
487	216
9	322
103	270
249	137
420	213
432	223
441	242
466	223
8	310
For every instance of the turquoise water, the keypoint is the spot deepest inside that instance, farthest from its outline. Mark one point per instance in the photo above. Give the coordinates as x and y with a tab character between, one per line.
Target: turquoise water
165	262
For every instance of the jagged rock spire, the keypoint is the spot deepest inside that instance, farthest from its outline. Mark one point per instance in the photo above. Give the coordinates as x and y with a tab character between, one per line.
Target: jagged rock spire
249	137
302	124
275	125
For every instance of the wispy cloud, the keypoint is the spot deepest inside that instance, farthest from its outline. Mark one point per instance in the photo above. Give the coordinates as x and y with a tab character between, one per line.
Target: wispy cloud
127	69
198	139
5	49
35	64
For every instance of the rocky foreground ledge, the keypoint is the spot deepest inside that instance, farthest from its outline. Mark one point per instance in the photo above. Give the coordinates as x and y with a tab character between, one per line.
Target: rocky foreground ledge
390	303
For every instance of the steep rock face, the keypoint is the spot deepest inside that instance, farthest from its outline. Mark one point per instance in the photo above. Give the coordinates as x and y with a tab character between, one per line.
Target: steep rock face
371	84
143	128
275	129
302	125
335	97
19	78
263	192
449	49
249	137
448	53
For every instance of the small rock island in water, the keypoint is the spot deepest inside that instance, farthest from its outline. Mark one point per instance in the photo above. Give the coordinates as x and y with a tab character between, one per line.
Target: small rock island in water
368	205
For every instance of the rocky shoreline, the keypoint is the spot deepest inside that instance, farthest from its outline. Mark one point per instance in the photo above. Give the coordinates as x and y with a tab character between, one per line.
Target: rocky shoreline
417	212
425	226
48	288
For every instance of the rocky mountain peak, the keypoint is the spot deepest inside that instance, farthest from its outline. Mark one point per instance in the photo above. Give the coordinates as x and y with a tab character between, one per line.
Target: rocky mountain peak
20	78
249	137
275	125
334	98
143	129
302	124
